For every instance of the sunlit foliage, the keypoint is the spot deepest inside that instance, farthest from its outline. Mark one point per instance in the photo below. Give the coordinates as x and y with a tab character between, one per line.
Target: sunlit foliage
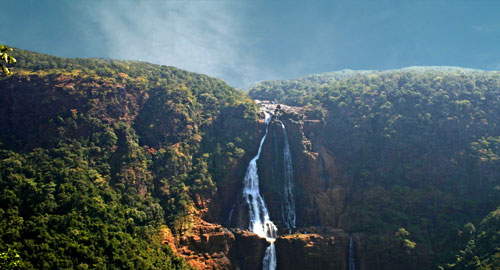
97	155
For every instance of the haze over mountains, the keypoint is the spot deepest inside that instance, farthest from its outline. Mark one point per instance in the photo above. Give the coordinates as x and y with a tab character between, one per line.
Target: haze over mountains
242	42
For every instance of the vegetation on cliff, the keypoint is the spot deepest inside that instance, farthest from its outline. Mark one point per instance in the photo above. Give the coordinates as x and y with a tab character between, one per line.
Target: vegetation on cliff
422	147
480	251
96	156
6	59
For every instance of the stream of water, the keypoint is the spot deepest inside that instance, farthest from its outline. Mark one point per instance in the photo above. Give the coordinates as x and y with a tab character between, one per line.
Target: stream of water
259	221
288	212
351	262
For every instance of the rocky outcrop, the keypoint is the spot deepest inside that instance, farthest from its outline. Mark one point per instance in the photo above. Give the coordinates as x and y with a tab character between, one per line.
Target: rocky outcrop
248	250
209	246
321	190
206	246
315	248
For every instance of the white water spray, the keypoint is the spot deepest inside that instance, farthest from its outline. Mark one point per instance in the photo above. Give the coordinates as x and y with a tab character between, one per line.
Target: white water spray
288	212
260	223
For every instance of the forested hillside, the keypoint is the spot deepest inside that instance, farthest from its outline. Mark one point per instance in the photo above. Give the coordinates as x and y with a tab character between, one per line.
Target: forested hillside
101	161
99	157
421	148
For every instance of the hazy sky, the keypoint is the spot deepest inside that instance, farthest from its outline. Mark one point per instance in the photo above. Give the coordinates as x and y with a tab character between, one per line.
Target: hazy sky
243	42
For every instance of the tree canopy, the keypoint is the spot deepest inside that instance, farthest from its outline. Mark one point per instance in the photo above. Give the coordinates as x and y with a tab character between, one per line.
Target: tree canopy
6	59
98	157
421	148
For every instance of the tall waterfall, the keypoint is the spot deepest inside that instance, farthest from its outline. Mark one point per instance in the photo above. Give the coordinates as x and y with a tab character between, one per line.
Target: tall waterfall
288	201
351	261
260	223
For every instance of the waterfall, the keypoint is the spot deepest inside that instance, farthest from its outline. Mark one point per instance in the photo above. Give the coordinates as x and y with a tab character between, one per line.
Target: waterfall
288	201
269	262
260	223
351	261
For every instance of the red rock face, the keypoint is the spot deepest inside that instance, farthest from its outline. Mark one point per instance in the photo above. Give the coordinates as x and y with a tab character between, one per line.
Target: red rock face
206	246
210	246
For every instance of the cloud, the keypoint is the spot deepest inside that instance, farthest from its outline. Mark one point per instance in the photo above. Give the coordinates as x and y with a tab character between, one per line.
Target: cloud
199	36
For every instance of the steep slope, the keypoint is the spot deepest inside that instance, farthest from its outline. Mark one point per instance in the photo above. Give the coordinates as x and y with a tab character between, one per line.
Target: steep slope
403	158
100	158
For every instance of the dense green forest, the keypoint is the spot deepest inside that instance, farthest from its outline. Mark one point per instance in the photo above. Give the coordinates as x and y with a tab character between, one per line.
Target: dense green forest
97	156
422	147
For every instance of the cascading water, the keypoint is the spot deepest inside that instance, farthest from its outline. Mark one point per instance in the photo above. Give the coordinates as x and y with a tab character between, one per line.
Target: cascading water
288	201
269	262
351	262
260	223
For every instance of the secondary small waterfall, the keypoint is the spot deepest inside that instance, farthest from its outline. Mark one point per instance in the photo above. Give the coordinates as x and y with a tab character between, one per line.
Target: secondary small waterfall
260	223
351	261
288	201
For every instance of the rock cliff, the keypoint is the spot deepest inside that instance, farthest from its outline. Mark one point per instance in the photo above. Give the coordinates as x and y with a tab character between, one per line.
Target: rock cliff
313	248
320	194
321	190
210	246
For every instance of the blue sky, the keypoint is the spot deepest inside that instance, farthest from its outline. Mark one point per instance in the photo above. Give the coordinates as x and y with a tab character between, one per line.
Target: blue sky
243	42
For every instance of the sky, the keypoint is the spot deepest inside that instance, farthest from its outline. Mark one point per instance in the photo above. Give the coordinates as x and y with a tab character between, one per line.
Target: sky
243	42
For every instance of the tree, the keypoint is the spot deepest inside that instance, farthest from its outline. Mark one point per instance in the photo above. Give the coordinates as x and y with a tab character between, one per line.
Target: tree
402	235
6	59
11	260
